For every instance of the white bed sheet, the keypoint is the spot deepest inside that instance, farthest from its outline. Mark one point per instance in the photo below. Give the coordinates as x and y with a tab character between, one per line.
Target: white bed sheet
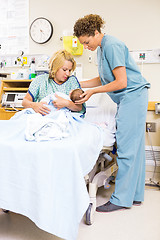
45	180
101	110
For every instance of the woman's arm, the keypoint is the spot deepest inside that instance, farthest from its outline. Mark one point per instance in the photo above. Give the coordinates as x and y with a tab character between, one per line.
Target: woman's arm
119	83
38	107
95	82
61	103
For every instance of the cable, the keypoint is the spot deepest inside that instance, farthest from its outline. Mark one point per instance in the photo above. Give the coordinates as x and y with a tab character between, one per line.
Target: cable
154	158
155	162
153	184
142	67
11	106
15	109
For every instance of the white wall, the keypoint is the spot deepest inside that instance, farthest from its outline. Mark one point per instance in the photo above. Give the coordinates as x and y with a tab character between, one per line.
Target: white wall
134	22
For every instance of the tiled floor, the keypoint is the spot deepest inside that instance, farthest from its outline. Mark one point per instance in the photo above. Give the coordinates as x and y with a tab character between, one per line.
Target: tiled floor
138	223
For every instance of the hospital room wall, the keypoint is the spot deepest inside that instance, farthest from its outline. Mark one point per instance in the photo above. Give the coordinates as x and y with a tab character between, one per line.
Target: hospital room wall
134	22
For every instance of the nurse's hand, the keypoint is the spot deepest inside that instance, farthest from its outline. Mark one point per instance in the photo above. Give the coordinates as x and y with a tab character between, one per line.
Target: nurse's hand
85	96
40	107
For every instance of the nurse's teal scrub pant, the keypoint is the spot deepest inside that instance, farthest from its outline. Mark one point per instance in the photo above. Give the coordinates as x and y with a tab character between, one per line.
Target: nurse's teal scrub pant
130	138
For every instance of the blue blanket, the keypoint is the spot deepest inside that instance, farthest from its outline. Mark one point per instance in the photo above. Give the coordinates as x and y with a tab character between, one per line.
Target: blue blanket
44	180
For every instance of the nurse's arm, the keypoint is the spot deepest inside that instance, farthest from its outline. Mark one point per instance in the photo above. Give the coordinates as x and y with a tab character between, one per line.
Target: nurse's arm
94	82
119	83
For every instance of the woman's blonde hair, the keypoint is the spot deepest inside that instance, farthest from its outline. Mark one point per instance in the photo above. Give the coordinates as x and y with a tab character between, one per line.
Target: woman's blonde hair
57	61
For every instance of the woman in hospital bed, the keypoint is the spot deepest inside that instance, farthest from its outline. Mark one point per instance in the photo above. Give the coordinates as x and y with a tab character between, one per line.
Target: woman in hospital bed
55	124
61	66
44	169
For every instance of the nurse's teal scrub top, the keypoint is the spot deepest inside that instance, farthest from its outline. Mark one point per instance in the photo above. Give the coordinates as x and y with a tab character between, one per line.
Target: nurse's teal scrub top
114	53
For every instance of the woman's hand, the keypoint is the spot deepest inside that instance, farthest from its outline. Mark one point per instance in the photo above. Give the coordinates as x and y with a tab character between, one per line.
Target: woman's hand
40	107
60	102
85	96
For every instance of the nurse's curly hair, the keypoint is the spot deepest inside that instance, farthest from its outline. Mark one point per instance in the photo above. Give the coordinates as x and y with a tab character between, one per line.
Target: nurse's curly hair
57	61
87	25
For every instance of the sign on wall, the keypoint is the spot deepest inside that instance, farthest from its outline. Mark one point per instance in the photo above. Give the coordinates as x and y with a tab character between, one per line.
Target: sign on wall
14	25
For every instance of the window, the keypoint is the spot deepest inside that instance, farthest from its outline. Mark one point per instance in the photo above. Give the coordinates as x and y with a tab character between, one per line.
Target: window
14	25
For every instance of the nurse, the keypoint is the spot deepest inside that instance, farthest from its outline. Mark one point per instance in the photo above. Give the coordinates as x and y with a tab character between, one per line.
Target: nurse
121	79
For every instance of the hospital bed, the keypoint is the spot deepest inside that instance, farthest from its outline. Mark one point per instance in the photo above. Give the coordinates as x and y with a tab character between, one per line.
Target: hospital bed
46	180
101	110
102	174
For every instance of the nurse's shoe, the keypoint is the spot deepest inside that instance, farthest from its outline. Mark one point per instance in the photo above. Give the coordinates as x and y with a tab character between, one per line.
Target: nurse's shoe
137	203
109	207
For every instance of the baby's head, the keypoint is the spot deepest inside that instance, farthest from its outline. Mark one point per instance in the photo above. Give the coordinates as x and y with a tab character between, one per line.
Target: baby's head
75	94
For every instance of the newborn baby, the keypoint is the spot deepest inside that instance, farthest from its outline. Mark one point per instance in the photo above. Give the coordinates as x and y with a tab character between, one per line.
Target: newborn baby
74	95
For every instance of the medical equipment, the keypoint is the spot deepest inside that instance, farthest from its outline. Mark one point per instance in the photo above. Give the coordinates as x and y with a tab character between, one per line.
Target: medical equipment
71	43
157	108
13	99
146	56
20	74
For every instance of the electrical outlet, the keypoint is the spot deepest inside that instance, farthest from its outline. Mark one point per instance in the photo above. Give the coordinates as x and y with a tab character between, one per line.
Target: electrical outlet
151	126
